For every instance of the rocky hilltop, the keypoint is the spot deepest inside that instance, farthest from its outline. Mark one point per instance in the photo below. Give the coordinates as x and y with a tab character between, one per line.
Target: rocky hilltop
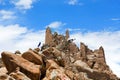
58	59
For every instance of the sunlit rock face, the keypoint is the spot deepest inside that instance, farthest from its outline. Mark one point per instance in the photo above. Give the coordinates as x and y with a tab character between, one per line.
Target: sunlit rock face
58	59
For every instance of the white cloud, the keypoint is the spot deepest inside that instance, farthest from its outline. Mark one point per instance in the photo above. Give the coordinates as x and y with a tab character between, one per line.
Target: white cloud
6	15
70	29
109	40
115	19
23	4
15	37
75	2
56	24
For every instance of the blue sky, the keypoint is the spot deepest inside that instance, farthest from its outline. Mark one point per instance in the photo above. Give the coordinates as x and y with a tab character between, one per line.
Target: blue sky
94	22
90	15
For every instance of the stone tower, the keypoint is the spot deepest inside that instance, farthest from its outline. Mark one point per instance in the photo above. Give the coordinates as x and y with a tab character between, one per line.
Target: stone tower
101	54
48	36
67	34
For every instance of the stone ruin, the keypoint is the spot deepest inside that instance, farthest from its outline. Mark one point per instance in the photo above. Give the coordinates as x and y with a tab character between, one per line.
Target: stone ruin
58	59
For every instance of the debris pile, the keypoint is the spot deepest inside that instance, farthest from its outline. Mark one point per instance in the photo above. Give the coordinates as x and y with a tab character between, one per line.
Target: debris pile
58	59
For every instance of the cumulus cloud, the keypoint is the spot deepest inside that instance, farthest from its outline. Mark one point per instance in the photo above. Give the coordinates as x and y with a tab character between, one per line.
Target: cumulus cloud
74	2
109	40
23	4
56	24
16	37
6	15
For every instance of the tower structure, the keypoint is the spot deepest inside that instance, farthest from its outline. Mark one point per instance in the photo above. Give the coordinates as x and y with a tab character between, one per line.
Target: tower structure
48	36
67	34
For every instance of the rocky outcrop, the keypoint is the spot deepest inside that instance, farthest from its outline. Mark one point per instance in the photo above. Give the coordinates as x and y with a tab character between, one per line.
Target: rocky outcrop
67	34
58	59
48	36
55	72
32	57
12	62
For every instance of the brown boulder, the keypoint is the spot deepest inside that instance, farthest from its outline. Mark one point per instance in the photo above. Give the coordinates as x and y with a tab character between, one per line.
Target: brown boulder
32	57
81	76
52	53
7	58
73	48
55	72
26	67
19	76
83	65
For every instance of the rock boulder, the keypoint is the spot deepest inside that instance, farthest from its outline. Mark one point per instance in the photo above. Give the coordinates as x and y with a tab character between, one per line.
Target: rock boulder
13	61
